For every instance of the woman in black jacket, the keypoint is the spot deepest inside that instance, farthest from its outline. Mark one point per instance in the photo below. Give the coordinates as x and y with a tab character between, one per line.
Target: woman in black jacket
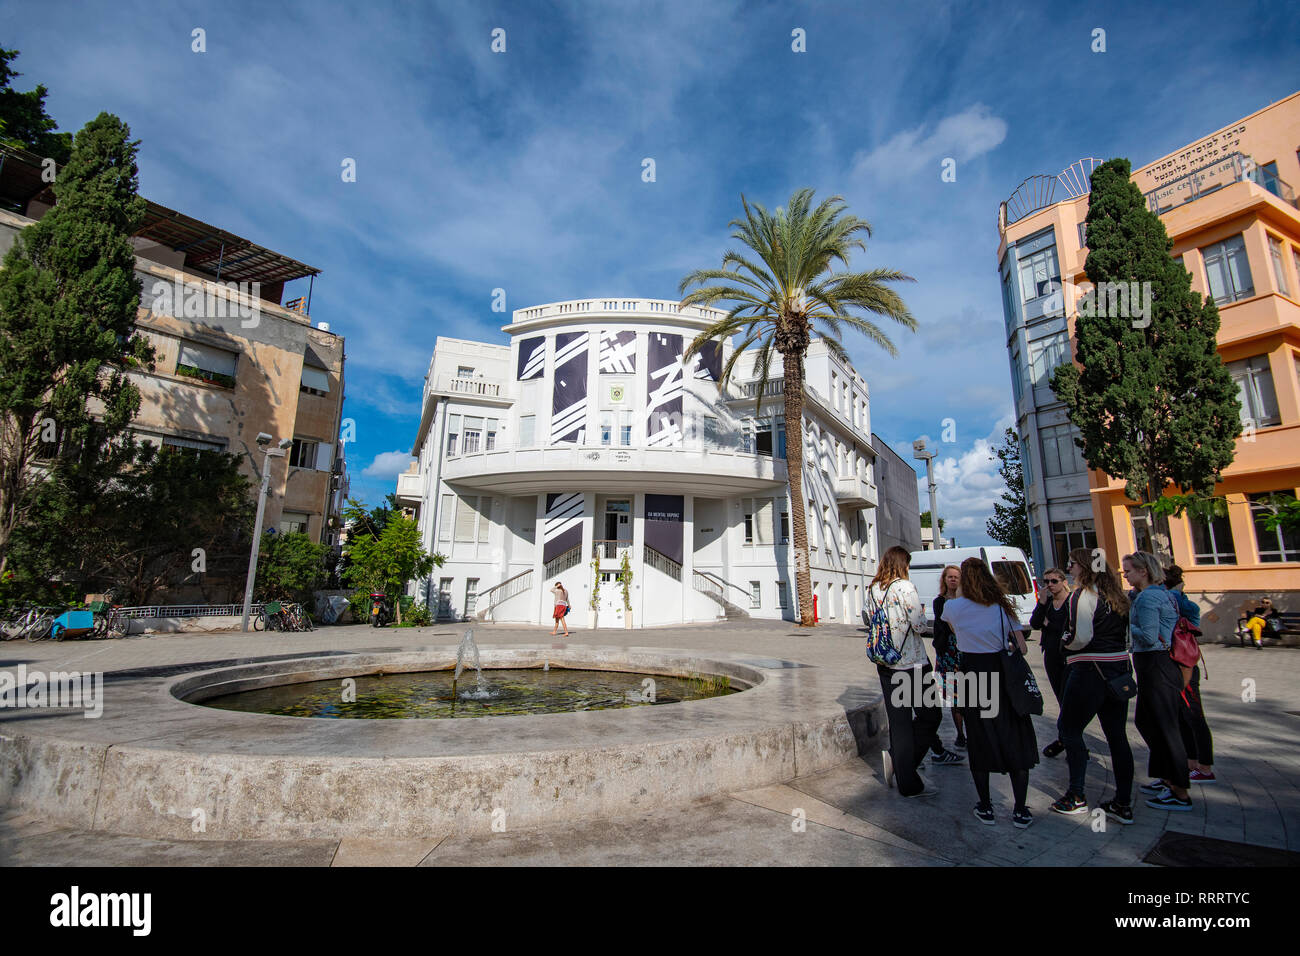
1096	652
1050	619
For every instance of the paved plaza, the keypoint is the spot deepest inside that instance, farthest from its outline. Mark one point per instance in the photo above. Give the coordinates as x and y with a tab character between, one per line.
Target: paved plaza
844	815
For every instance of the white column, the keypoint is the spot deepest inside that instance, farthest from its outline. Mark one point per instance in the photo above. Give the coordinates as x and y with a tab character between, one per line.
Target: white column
542	609
588	536
637	562
688	556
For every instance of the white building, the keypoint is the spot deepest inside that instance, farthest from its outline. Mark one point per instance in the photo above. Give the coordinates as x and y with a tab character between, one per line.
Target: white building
586	444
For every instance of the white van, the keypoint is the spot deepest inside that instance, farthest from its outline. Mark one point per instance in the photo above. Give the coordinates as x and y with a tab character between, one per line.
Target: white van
1008	565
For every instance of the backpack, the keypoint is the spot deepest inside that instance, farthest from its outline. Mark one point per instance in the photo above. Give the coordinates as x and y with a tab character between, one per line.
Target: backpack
1185	651
880	637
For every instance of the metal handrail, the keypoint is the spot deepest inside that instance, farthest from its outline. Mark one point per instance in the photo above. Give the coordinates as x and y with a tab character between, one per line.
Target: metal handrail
562	562
661	562
723	581
708	587
493	598
608	548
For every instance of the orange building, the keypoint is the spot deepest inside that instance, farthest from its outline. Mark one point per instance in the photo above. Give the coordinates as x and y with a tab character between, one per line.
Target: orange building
1229	204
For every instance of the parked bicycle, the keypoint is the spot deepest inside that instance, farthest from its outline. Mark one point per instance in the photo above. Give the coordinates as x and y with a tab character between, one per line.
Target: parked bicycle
282	616
109	619
31	622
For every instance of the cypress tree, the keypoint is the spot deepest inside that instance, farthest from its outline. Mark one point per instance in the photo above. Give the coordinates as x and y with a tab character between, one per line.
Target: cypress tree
1153	402
68	302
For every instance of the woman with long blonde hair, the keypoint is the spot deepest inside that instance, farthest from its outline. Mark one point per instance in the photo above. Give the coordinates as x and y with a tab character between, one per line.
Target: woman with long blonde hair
998	739
947	661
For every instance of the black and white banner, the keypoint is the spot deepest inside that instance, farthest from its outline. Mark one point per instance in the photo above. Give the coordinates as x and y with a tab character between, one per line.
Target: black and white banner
706	364
664	391
664	527
532	358
562	527
569	405
617	351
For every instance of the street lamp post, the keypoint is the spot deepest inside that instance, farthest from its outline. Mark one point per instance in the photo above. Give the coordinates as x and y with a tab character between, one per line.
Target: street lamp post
921	453
263	441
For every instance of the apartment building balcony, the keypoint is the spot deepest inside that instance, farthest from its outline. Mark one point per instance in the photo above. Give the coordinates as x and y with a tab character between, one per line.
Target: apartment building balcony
855	492
489	391
410	489
695	469
748	391
1210	178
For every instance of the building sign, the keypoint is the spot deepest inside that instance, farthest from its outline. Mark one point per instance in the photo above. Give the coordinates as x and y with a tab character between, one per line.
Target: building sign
532	358
569	401
1213	148
663	525
622	458
617	393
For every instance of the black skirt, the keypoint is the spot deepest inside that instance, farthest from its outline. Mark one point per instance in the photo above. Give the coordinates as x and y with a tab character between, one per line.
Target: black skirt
1002	743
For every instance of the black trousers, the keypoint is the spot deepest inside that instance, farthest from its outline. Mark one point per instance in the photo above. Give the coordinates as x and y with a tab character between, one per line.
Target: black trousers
1054	664
1086	696
1192	723
913	721
1158	720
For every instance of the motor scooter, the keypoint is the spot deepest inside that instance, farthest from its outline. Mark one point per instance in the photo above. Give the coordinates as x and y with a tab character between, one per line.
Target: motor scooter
381	610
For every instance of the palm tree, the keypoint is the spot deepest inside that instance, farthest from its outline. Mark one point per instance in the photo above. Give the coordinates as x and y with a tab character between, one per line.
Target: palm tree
779	298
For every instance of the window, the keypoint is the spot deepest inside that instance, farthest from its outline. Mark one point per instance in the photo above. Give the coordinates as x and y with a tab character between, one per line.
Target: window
1279	544
1212	541
466	511
303	453
1016	387
755	595
464	371
207	364
189	445
473	436
1025	462
1013	576
747	438
1295	261
444	597
785	527
314	381
625	429
763	521
446	516
607	428
780	438
1083	235
1228	270
710	431
1060	455
1045	355
453	433
1279	265
1254	380
484	518
763	438
747	509
490	438
1039	274
1008	301
1068	535
471	595
292	522
527	429
782	595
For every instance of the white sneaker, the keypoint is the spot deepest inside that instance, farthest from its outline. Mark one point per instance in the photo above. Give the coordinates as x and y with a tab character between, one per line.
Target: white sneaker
889	769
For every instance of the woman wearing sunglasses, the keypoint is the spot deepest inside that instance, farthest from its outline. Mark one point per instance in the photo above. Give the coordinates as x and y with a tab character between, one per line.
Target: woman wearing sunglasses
1049	619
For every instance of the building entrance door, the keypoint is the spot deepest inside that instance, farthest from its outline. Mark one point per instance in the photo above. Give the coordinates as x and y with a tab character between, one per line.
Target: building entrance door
611	612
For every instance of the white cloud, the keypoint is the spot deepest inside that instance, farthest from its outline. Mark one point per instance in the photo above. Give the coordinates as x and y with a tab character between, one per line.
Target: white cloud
962	136
969	486
388	464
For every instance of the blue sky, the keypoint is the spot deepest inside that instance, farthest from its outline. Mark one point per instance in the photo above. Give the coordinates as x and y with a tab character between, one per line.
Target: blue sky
522	170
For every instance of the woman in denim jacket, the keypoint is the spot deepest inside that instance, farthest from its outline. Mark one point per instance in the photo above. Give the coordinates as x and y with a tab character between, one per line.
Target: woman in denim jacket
1160	682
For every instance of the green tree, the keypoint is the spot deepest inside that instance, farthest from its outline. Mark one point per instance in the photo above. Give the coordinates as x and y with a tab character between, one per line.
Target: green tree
1153	402
23	120
391	561
1010	522
780	291
138	531
290	566
68	301
925	521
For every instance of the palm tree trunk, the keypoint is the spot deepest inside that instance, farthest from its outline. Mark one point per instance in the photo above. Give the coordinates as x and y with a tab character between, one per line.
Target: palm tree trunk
793	364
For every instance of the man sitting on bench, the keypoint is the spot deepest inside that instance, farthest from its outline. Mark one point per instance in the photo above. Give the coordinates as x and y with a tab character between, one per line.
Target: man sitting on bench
1265	617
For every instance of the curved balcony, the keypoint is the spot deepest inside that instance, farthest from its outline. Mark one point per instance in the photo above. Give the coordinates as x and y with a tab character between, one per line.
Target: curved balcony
694	470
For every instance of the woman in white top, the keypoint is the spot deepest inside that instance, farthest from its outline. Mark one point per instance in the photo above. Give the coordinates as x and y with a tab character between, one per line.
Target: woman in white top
998	740
561	608
914	711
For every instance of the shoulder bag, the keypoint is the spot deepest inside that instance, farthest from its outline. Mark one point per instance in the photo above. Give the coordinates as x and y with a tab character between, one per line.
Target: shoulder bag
1022	690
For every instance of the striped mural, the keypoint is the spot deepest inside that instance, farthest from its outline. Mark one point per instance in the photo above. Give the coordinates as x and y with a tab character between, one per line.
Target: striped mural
617	351
706	364
532	358
664	384
562	526
569	402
